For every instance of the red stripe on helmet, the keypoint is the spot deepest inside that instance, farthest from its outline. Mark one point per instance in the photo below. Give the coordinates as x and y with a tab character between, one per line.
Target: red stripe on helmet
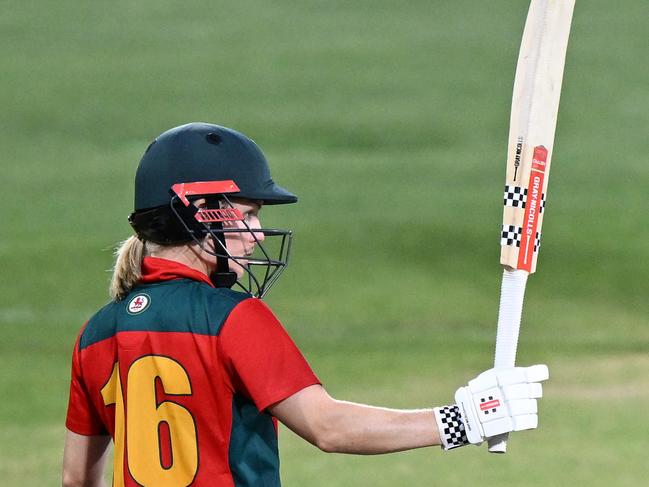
183	190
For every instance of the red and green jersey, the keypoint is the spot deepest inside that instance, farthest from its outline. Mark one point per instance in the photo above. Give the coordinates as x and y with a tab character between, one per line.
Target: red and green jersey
180	374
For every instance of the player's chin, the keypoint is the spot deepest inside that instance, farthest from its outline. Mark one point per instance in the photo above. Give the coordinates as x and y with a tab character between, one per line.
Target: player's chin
239	267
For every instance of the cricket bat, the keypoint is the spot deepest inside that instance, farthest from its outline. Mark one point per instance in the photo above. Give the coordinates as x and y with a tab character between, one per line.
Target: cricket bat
535	104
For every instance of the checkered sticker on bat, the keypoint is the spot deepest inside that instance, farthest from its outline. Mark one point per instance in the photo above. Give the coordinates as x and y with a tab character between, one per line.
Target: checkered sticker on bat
516	197
511	235
537	242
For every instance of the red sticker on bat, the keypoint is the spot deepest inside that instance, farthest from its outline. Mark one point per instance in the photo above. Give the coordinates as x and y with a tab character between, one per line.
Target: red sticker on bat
532	208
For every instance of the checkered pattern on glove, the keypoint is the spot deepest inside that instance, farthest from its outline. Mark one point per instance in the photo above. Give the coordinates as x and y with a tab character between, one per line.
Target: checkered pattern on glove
450	426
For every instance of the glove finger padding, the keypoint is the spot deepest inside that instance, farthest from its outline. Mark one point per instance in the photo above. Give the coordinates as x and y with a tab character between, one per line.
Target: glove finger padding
537	373
498	427
522	391
525	422
509	424
512	375
520	407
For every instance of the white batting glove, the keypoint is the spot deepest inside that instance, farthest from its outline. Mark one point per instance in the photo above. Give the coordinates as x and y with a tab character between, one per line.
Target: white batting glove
497	401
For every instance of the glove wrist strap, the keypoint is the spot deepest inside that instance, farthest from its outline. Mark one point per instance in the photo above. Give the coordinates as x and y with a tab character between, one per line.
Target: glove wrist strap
451	427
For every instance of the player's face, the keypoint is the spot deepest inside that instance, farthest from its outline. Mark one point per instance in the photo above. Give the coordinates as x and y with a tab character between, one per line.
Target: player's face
242	244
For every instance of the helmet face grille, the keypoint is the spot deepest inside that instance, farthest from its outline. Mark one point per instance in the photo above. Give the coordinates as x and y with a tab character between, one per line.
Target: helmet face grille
265	266
260	269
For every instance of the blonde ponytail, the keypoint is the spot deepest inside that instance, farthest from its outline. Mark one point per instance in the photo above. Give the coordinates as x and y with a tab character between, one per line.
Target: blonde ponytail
128	267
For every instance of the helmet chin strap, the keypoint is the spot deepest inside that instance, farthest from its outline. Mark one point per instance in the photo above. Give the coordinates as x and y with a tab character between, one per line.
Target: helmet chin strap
222	275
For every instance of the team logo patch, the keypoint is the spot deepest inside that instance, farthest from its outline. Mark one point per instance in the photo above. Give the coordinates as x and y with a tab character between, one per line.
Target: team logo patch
138	304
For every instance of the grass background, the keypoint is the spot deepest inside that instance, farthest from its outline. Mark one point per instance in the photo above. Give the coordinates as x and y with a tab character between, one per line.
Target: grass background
390	121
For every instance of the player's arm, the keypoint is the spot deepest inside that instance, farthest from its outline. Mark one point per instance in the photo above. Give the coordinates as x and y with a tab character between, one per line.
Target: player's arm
347	427
495	402
264	364
84	458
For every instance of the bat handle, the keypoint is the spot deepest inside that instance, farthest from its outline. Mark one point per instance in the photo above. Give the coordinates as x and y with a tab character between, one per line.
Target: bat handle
512	293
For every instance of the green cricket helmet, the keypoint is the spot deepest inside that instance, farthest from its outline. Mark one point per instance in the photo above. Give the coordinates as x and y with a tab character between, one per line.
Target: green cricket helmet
201	160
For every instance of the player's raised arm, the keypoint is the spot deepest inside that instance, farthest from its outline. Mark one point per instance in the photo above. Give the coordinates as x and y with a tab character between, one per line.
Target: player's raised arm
497	401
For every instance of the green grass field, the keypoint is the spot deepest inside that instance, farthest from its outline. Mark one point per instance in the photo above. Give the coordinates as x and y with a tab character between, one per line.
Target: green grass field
390	121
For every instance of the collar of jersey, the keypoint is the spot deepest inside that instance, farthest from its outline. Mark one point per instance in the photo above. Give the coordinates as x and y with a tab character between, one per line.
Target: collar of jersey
155	269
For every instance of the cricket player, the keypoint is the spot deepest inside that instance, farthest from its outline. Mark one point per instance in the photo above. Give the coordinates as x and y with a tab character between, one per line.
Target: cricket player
187	371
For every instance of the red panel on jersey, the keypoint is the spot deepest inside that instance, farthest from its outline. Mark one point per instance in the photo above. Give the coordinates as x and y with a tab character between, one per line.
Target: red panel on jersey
260	357
83	418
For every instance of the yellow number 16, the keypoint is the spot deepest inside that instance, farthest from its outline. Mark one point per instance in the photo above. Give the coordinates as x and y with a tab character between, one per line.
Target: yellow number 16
144	416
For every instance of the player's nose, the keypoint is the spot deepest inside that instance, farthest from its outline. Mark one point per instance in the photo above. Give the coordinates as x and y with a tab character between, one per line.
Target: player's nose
258	235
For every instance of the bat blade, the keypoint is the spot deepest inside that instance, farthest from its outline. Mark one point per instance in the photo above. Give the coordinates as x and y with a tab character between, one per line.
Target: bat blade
535	105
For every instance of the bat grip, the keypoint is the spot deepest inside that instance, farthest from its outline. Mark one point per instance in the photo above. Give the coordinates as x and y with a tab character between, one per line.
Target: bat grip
512	293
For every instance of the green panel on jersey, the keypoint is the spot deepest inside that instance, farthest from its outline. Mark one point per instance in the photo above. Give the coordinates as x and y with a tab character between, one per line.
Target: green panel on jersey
253	454
181	305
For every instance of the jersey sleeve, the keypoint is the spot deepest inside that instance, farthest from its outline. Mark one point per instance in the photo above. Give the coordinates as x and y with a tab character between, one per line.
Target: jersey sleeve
261	359
82	417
